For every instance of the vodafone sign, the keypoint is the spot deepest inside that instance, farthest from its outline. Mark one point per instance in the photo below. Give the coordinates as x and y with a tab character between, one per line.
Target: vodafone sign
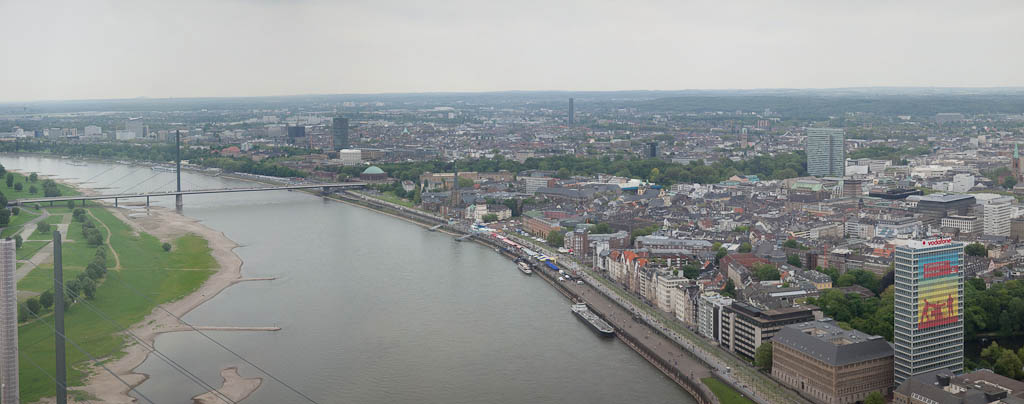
939	241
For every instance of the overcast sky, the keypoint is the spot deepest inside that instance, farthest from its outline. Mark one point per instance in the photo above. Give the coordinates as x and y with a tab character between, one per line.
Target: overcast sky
80	49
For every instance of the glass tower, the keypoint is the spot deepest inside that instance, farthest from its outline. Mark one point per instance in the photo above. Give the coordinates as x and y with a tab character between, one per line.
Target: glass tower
929	304
826	152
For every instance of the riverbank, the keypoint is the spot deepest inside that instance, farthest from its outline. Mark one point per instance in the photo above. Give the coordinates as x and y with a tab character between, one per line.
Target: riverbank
166	225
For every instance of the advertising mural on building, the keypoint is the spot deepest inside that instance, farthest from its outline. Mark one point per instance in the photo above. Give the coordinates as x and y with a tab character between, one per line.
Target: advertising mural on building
938	279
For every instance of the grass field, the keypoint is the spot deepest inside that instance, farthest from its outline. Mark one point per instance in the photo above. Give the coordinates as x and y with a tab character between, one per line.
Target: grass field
725	393
154	276
13	194
16	222
29	248
391	197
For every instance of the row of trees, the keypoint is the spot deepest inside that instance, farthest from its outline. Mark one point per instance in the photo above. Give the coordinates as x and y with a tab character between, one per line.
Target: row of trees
83	286
663	172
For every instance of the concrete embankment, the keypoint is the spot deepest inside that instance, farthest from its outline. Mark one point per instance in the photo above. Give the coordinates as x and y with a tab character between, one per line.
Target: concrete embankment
665	355
672	360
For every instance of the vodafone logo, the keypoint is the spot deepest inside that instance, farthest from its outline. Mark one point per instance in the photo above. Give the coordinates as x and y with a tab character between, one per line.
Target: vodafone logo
935	242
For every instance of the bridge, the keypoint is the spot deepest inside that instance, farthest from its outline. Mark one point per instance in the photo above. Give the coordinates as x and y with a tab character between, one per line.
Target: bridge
178	194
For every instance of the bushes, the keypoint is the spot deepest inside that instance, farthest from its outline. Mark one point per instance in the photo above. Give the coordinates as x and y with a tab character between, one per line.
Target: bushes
91	234
43	227
166	246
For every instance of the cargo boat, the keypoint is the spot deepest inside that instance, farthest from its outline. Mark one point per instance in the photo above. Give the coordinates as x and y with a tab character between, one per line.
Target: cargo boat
596	323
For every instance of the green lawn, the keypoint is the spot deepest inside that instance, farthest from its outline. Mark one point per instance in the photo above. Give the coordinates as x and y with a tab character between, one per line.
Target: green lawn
725	393
38	235
16	222
54	219
29	248
158	276
13	194
391	197
41	278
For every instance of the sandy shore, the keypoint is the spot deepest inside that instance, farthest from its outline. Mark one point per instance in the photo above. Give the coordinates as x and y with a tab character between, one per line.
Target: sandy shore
235	388
167	225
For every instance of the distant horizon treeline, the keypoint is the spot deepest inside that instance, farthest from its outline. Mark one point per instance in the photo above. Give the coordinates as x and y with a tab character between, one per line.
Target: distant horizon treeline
782	166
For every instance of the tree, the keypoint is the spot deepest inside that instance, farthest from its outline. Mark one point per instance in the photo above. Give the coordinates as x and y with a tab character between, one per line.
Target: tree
556	238
766	272
32	189
71	204
976	250
745	247
1009	364
563	173
791	243
763	356
794	260
18	186
33	305
95	271
43	227
166	246
33	177
18	241
46	299
465	182
691	271
490	217
1009	182
22	313
730	288
10	181
601	228
874	398
721	253
5	216
16	211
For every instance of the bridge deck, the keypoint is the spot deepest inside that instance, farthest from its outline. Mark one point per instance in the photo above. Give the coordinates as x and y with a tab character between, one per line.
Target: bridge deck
190	192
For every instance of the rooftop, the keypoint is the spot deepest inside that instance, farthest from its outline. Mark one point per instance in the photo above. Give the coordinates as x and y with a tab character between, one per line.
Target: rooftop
825	341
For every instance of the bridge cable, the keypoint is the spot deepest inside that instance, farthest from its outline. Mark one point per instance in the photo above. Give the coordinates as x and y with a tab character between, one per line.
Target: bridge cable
91	357
170	362
236	354
122	177
140	183
23	355
101	173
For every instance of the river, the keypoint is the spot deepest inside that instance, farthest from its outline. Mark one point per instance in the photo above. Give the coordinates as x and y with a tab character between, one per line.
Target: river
373	309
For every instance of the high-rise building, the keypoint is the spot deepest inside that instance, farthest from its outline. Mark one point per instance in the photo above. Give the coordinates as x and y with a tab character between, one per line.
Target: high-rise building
572	112
995	211
136	125
929	304
826	152
652	150
339	128
8	324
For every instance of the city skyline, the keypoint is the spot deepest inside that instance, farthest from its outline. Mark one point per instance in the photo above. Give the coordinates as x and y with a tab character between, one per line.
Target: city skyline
399	47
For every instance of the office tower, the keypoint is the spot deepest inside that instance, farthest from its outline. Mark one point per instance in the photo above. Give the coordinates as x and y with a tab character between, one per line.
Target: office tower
995	211
572	112
826	154
137	126
652	150
339	128
929	322
8	324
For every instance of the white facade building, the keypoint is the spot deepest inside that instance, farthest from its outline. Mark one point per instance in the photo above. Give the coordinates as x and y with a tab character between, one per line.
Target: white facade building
350	157
709	315
962	183
8	324
996	211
